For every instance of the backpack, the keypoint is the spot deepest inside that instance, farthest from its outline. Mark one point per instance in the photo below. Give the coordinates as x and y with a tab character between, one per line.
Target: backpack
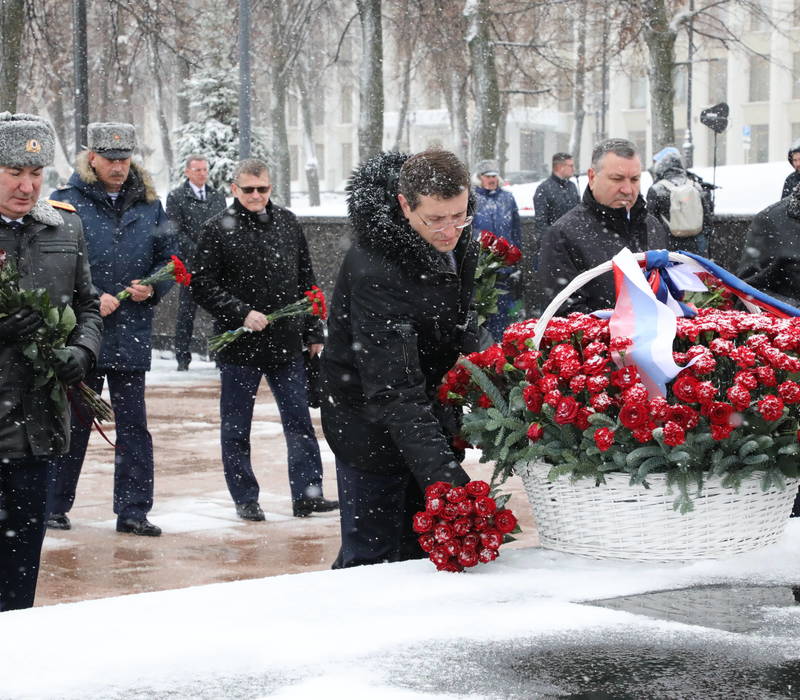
685	209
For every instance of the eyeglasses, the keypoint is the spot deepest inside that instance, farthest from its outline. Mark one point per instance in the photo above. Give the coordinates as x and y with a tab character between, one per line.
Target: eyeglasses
261	189
460	227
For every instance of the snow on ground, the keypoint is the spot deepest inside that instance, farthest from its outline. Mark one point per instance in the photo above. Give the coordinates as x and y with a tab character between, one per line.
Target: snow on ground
330	633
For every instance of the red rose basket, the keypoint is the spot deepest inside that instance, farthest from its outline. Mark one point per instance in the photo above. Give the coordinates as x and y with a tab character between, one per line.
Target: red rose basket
462	526
706	470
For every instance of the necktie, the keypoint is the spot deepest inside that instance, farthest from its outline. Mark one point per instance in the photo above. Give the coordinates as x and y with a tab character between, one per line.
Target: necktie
14	225
201	195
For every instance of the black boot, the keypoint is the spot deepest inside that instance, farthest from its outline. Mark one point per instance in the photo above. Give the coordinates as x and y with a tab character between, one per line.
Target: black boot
304	507
250	511
136	526
58	521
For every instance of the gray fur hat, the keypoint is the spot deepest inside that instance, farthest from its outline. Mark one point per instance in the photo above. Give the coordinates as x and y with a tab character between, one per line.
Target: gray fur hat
112	140
26	140
487	167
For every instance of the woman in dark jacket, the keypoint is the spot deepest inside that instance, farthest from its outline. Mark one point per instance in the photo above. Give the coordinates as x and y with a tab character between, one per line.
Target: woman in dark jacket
399	319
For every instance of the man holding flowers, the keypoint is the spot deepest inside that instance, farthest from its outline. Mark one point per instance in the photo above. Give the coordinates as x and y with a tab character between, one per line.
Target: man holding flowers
399	318
128	238
253	260
46	248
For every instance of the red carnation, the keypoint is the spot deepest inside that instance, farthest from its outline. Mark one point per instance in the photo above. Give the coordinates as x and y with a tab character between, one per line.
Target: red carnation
789	391
739	397
182	275
601	402
644	434
674	434
720	432
597	383
484	401
603	438
771	407
505	521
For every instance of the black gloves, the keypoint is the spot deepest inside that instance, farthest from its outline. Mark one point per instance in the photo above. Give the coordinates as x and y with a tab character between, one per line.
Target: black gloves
16	326
72	364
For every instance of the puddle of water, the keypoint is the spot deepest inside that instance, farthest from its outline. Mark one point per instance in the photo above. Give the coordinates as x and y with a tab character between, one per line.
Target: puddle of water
741	609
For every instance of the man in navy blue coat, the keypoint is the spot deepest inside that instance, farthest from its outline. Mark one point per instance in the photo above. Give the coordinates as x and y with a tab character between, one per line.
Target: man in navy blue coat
128	238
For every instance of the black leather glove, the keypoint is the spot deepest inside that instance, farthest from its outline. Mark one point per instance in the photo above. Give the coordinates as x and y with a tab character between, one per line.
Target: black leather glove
72	364
16	326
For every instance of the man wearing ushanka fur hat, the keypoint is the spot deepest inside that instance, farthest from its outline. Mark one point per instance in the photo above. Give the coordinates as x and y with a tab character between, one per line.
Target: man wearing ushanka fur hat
128	237
43	241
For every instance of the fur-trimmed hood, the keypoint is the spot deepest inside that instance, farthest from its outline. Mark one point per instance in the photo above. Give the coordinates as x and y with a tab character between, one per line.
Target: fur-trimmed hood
138	176
378	221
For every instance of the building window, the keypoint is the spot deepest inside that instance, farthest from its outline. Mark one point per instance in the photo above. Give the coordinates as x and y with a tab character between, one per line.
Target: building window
718	81
638	94
531	149
722	143
294	163
640	139
347	105
759	144
679	85
347	160
759	79
796	75
291	110
320	149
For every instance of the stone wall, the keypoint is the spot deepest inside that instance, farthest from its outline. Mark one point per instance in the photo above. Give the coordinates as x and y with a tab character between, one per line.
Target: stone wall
329	237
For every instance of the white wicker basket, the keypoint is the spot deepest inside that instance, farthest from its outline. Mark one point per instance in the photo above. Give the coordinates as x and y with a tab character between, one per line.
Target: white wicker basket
619	521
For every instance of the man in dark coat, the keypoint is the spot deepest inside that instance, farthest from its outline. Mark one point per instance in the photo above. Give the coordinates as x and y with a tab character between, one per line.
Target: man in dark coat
554	196
612	216
771	257
253	259
45	245
128	237
189	206
399	320
669	171
793	179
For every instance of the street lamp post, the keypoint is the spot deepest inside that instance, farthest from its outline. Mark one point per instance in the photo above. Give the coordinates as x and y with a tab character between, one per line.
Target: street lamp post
688	143
80	50
245	83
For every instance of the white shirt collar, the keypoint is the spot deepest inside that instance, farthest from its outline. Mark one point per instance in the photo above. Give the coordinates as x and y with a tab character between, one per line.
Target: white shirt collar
197	190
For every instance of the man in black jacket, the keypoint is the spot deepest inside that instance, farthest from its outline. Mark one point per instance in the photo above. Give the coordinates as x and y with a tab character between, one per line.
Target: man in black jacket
793	179
612	216
44	242
556	195
253	259
189	206
399	319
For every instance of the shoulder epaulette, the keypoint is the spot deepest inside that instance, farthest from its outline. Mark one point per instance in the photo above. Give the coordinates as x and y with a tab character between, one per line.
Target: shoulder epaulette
61	205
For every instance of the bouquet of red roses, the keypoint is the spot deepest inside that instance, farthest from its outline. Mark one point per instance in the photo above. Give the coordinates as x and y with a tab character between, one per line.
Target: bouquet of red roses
496	253
312	302
463	525
174	270
46	343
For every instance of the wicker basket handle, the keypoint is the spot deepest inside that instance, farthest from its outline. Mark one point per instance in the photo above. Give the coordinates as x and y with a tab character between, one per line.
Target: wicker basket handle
589	275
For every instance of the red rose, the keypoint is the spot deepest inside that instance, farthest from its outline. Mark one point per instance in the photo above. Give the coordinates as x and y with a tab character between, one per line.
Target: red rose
427	542
461	526
459	443
505	521
449	512
434	505
486	239
634	415
535	432
480	523
719	413
422	522
465	507
438	488
453	548
485	505
470	541
484	401
684	387
603	438
486	555
500	247
566	410
439	556
492	539
456	494
644	434
468	557
443	532
789	391
450	565
673	434
582	419
477	488
513	256
771	407
625	377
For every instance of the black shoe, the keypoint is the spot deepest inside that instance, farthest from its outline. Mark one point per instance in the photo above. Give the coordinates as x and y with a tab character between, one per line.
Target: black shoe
134	526
183	366
304	507
58	521
250	511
